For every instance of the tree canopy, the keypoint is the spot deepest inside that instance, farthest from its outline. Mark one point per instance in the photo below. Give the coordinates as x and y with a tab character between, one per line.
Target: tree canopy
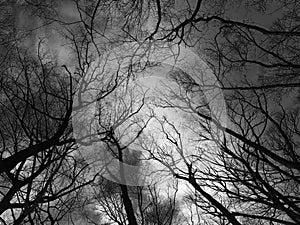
149	112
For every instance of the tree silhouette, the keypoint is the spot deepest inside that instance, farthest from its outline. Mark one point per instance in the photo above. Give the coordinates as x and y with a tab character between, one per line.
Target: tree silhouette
242	172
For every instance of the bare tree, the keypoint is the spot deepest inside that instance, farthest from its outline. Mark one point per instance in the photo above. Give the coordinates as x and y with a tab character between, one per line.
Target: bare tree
38	167
243	173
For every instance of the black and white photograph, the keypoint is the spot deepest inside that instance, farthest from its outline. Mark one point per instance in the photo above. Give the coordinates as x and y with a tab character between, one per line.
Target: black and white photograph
150	112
